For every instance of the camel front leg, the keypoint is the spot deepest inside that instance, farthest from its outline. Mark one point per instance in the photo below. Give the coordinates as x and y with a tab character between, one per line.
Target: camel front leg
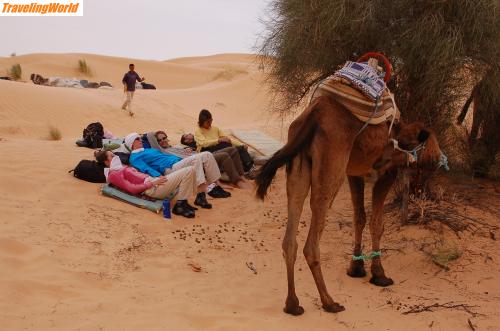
297	186
357	187
380	190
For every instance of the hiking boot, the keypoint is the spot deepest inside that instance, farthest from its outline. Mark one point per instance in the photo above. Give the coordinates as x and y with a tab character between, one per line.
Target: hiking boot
218	192
193	208
181	209
252	173
201	200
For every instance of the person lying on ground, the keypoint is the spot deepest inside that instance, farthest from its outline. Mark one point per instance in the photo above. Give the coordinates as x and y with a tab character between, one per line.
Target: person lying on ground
149	140
227	158
211	138
156	164
134	182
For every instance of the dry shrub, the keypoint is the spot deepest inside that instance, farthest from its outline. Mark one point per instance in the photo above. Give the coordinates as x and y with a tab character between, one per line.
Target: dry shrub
84	68
54	133
16	71
444	255
228	73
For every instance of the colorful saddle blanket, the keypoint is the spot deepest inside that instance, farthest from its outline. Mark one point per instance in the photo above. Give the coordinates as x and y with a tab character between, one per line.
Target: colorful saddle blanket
363	77
365	109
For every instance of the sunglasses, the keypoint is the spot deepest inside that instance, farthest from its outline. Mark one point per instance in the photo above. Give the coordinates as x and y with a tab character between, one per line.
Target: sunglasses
162	139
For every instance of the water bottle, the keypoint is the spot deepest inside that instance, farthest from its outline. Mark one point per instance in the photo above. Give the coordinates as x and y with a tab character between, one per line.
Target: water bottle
166	209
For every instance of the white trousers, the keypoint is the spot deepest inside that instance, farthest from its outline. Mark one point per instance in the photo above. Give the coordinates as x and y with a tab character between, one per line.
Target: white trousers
184	179
205	167
128	101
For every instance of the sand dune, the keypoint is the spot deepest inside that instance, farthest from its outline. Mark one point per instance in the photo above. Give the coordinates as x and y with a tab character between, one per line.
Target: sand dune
71	259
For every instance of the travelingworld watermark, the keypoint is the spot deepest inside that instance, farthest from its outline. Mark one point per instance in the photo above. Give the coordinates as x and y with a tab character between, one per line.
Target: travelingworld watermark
41	8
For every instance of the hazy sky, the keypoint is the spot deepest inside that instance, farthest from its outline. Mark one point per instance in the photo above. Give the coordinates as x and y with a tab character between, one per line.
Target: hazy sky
146	29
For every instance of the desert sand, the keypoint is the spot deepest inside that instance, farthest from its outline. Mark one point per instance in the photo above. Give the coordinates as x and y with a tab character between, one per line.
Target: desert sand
72	259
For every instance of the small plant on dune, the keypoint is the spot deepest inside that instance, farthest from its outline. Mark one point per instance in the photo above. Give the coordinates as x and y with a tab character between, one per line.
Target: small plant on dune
423	204
228	73
13	54
442	256
84	68
16	71
54	133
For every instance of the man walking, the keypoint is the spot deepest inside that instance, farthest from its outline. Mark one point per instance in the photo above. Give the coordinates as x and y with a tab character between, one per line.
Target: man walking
128	81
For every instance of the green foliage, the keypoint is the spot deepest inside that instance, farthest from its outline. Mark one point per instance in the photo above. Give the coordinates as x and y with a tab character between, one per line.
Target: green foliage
16	71
84	68
438	49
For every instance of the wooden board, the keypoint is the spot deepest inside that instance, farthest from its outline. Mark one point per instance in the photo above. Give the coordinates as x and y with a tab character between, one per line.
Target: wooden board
259	141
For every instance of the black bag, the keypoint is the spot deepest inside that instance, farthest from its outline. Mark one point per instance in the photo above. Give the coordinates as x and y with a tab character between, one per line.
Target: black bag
89	171
147	86
93	135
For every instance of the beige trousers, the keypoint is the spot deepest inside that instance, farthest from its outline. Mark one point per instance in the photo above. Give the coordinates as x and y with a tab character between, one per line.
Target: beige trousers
184	179
128	101
205	167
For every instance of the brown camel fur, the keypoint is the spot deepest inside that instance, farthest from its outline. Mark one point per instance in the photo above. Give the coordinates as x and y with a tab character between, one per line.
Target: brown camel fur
324	144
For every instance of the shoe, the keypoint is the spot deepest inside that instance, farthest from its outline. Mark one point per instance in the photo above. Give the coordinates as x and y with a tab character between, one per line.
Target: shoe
218	192
81	143
182	210
252	173
201	200
193	208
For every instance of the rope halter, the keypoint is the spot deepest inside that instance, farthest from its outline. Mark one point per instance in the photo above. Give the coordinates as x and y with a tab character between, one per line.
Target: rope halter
412	155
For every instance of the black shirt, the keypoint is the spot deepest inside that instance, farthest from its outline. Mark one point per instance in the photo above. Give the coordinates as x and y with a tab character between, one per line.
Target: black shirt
130	78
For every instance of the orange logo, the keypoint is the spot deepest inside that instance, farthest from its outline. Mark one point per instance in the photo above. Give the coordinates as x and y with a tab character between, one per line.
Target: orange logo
41	8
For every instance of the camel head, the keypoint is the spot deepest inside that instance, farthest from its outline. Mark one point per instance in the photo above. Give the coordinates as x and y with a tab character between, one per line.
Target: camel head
412	146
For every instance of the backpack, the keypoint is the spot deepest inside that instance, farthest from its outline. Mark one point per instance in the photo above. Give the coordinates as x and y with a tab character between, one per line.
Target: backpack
93	135
89	171
147	86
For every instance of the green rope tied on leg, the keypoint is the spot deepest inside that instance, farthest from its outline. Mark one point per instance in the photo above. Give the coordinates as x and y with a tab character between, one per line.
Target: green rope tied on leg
367	257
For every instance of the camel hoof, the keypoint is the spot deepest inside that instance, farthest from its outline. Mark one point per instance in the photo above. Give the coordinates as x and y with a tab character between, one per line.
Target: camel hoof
356	269
381	281
333	308
294	310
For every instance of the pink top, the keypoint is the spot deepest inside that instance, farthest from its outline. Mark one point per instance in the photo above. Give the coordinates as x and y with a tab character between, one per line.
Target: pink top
129	180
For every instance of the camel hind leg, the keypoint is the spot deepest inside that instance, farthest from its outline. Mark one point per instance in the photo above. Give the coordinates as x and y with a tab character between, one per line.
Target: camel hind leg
328	171
297	184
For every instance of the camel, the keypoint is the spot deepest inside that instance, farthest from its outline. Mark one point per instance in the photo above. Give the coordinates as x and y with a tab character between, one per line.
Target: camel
325	143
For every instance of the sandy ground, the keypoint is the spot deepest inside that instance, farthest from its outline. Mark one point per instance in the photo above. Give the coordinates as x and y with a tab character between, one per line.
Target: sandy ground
71	259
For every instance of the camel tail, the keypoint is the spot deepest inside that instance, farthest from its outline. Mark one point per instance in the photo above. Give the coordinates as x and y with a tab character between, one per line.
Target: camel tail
300	135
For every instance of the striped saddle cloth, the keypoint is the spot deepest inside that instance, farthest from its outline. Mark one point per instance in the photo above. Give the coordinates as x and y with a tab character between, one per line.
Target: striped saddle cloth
364	108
